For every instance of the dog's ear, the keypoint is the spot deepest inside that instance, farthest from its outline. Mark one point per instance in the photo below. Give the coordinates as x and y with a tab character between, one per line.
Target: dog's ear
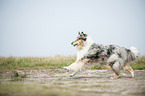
78	33
83	34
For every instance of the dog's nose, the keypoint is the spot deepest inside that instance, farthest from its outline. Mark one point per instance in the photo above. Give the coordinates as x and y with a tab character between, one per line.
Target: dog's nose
72	43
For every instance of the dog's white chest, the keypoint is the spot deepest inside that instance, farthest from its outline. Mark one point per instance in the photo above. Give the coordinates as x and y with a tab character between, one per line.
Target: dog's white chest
81	53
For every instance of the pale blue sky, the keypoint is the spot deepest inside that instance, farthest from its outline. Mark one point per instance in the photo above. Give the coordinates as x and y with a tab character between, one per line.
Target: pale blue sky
47	27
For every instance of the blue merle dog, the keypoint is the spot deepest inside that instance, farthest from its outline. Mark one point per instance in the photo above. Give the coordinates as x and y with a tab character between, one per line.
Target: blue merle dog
112	57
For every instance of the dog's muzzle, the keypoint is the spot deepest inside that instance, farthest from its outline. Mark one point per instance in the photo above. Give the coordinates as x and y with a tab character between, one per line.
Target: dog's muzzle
73	44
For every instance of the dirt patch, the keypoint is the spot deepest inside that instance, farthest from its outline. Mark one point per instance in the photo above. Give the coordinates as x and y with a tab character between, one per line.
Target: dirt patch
90	82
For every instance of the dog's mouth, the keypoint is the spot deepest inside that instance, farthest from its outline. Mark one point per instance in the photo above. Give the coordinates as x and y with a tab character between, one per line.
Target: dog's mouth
75	44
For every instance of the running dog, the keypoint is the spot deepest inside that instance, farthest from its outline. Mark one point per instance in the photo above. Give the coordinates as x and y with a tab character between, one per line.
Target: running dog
112	57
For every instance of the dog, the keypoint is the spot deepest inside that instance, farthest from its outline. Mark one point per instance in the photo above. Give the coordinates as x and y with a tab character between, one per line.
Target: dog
113	57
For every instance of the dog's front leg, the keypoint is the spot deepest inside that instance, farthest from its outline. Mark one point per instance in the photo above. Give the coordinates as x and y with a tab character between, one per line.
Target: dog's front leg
73	74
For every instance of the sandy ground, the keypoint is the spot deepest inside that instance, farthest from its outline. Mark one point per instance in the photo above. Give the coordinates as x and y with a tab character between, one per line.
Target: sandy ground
89	82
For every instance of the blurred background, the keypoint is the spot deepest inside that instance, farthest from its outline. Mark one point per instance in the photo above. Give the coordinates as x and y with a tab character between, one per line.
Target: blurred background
42	28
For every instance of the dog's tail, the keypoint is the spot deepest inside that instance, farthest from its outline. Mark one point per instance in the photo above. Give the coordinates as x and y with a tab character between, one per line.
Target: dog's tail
135	51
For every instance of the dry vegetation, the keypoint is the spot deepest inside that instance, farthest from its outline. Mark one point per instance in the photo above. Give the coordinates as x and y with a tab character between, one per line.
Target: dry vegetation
22	63
29	63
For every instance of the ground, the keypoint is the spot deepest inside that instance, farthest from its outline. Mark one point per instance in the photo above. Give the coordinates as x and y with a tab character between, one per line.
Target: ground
56	82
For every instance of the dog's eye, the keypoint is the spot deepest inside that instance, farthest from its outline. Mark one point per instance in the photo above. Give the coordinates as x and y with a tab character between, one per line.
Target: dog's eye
84	39
80	38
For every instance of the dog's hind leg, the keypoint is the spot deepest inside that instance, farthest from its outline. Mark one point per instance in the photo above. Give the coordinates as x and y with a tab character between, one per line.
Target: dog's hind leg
129	69
116	68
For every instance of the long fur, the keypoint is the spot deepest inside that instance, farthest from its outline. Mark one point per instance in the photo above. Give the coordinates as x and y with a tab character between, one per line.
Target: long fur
112	57
84	49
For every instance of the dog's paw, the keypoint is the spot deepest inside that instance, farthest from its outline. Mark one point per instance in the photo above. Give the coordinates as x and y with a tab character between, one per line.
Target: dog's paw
65	67
133	75
73	74
112	78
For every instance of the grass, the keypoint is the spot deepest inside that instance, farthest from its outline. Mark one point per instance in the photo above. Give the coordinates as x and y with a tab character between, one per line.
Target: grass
17	89
139	64
21	63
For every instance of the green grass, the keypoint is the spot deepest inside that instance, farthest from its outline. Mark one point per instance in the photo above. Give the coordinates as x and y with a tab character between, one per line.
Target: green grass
139	64
21	63
17	89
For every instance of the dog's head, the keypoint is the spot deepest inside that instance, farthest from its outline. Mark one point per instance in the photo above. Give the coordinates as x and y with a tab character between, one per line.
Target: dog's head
81	38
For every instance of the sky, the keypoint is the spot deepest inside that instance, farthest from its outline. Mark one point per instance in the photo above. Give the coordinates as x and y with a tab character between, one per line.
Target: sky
42	28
